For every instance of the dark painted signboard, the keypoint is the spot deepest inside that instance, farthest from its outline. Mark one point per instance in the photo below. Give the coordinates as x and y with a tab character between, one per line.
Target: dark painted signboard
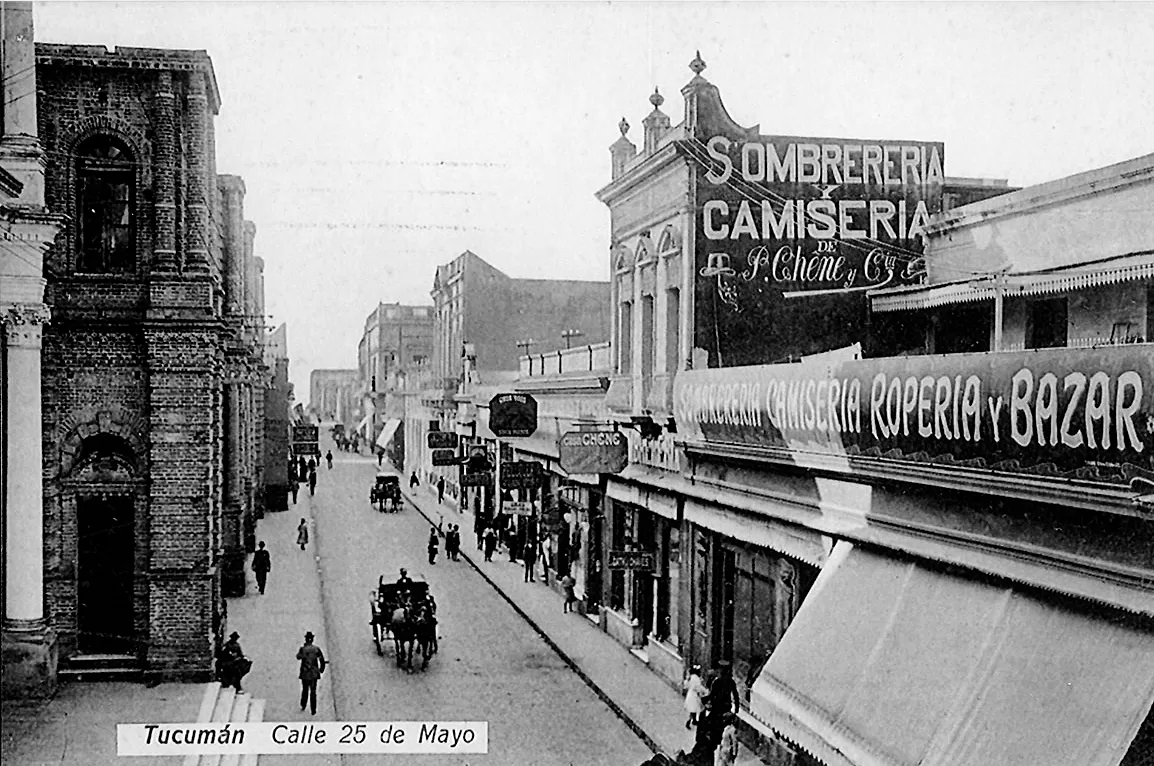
593	451
445	457
792	231
477	480
1078	413
522	474
306	433
306	448
441	440
512	415
641	560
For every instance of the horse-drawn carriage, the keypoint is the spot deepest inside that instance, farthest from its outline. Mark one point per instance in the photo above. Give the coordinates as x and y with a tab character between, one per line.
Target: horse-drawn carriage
385	493
406	612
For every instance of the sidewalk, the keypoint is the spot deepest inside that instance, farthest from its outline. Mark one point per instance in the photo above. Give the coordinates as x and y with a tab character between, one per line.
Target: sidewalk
272	626
643	700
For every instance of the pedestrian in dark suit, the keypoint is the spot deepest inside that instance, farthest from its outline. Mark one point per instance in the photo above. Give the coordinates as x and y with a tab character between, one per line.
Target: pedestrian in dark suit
261	566
434	543
294	487
441	489
312	666
530	556
312	481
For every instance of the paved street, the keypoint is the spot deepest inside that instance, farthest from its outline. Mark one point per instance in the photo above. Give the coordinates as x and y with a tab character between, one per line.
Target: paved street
491	667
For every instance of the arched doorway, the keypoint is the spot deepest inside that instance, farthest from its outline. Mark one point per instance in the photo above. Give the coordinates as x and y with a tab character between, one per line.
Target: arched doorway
103	479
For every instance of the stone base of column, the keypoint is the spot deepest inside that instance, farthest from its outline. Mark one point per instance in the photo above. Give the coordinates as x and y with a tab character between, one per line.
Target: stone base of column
232	581
30	659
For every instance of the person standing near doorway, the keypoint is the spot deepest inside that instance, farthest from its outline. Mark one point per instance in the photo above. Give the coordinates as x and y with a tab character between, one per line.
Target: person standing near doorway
261	566
312	667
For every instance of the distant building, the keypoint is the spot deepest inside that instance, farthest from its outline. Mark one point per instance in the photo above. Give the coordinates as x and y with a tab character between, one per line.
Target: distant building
397	342
278	416
333	395
480	305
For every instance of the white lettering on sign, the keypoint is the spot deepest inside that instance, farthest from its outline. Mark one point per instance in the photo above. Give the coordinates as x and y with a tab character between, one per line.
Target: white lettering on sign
592	439
659	452
841	164
1099	411
816	219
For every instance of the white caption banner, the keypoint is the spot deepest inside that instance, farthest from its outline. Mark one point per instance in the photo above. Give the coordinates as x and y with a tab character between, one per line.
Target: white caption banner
159	739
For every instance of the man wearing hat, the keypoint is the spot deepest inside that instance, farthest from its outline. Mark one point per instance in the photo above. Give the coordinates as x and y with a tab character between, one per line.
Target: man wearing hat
723	694
231	665
312	666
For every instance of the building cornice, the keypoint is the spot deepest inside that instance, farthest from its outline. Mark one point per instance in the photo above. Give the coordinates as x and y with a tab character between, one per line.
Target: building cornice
639	174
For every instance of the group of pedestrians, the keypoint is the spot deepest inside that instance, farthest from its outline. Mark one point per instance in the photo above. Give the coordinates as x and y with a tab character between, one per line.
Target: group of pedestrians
712	710
305	472
452	543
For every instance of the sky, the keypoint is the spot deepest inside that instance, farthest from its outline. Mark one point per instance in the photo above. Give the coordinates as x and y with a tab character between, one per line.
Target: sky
378	140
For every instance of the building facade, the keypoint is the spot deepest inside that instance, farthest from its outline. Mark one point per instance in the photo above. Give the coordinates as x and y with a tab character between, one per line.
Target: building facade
151	421
794	461
278	416
333	395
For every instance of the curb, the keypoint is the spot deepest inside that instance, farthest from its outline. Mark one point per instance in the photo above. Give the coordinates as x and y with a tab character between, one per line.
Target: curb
601	695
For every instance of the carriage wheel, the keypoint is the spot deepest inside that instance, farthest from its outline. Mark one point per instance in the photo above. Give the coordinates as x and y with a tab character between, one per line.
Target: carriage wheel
377	637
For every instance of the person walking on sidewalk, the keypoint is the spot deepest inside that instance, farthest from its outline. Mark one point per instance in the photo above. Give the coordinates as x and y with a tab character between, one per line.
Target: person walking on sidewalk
312	481
434	542
490	536
723	694
695	693
261	566
440	489
294	487
312	666
329	459
726	752
530	556
414	482
567	585
453	542
303	534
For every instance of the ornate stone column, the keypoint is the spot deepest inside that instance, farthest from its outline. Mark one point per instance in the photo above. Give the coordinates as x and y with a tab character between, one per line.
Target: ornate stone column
29	645
233	581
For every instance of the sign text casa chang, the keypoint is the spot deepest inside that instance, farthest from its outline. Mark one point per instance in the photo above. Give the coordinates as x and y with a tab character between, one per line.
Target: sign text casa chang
1085	413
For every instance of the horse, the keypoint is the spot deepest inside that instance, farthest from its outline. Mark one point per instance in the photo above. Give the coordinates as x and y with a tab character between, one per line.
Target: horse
404	629
425	632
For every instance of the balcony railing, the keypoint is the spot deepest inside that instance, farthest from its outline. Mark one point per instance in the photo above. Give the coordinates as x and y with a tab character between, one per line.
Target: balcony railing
567	360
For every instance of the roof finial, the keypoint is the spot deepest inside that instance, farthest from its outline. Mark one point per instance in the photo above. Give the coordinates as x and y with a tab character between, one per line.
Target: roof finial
697	65
656	99
623	126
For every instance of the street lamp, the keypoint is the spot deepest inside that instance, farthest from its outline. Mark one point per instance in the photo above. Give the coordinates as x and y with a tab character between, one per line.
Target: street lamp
525	345
568	335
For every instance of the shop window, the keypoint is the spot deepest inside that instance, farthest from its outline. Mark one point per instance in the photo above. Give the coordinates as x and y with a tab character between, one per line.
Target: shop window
701	581
1047	323
620	539
669	587
105	180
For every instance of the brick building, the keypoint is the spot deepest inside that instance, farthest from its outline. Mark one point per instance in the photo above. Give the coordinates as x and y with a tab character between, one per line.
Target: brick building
152	365
277	418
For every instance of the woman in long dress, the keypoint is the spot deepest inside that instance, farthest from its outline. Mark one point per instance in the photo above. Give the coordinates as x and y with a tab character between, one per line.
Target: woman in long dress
303	534
695	693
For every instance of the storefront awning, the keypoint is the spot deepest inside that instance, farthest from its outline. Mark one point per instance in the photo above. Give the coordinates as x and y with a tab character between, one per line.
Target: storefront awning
385	438
890	663
798	542
661	504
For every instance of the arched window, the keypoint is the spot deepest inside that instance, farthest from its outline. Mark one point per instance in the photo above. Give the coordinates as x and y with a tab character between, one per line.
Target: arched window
106	180
622	261
668	244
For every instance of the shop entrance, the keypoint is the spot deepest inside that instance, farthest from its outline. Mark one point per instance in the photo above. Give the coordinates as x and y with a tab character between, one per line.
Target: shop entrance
104	575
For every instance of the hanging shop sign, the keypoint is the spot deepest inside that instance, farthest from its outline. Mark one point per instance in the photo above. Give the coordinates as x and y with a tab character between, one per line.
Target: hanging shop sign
792	231
1077	413
521	474
518	507
441	440
445	457
593	451
512	415
306	433
637	560
306	448
477	480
